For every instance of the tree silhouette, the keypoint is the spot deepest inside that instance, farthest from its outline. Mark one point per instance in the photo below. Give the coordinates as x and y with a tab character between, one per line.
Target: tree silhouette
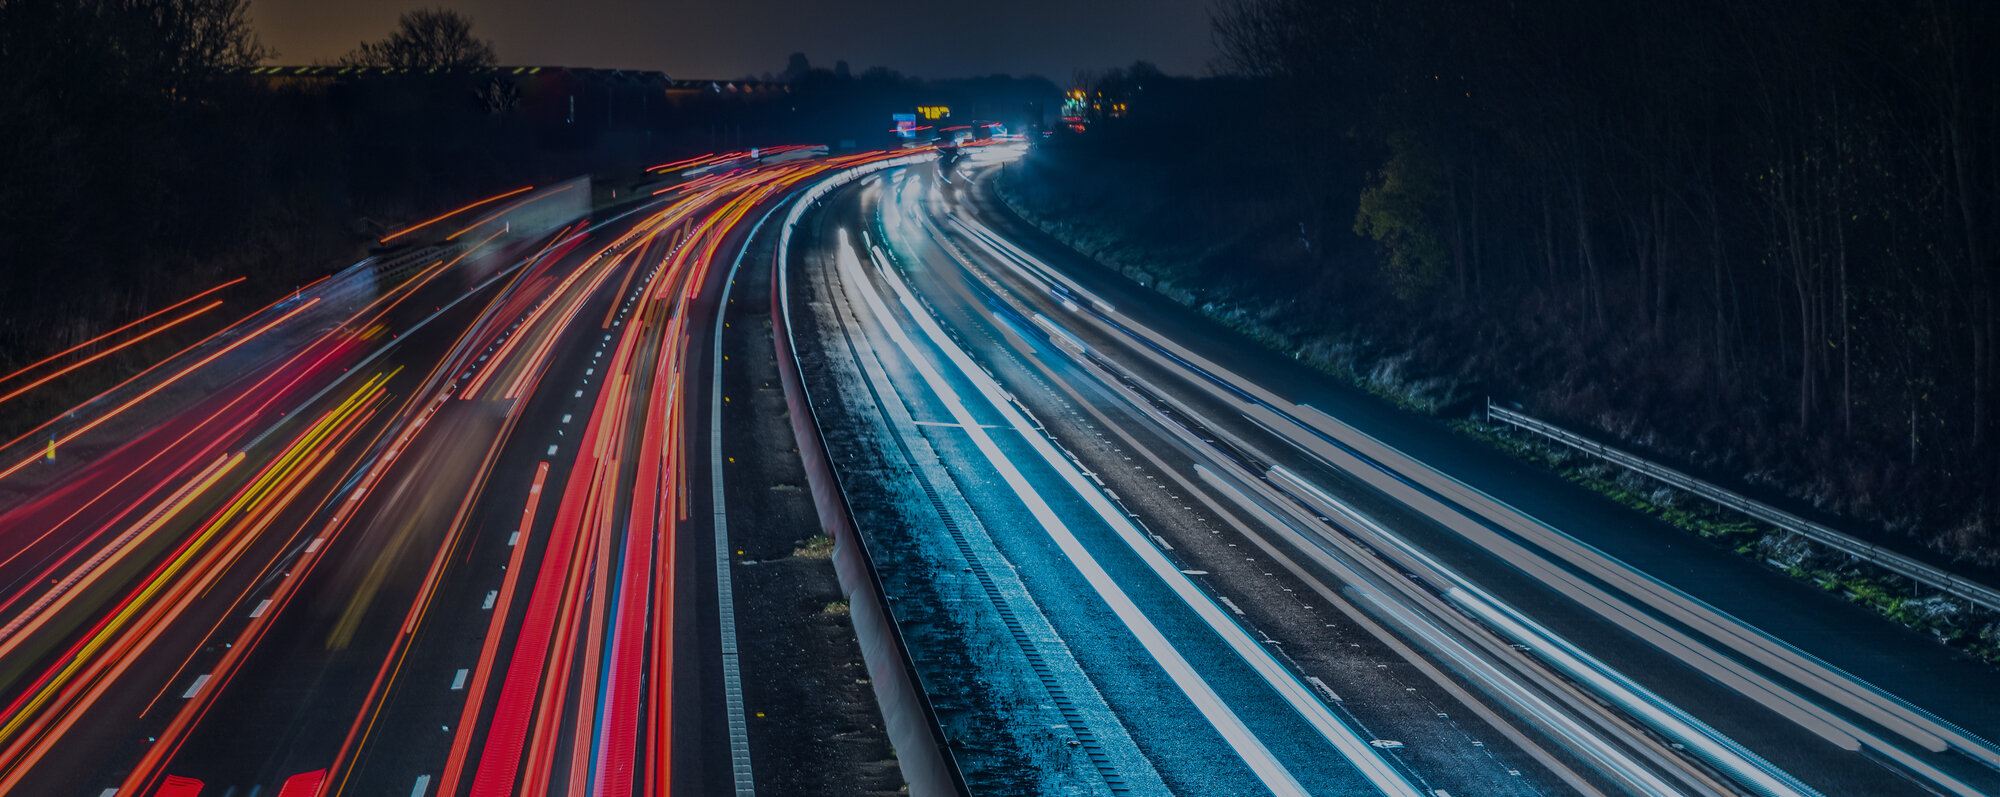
427	38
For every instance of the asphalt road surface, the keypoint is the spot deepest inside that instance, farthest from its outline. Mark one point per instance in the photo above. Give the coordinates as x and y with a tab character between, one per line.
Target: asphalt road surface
1422	614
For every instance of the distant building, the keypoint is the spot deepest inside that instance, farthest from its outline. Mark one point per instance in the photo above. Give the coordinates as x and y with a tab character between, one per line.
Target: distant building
578	104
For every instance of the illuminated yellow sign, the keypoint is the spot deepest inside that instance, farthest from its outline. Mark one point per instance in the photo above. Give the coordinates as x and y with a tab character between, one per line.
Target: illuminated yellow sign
933	112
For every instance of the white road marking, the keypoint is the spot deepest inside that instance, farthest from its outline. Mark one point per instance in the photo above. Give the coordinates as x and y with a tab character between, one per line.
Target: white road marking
491	595
259	611
423	785
552	450
1245	744
458	681
199	682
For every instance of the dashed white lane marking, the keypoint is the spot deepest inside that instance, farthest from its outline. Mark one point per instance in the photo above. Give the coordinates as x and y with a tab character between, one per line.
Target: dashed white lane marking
110	792
513	538
313	547
458	681
261	606
1229	603
552	450
491	595
423	785
565	417
199	682
589	371
579	394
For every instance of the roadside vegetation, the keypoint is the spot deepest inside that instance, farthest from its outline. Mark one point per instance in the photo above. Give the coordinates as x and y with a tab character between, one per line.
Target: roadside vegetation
1386	371
1746	250
1753	239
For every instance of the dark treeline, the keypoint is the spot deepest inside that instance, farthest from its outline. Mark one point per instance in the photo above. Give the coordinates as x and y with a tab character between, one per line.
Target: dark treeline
1758	237
139	163
135	170
1789	207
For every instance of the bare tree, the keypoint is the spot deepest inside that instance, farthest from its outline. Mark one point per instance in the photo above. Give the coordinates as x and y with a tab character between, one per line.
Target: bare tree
427	38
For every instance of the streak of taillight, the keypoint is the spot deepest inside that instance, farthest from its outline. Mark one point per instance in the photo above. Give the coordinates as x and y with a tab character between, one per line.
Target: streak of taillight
426	223
99	420
46	378
506	210
128	325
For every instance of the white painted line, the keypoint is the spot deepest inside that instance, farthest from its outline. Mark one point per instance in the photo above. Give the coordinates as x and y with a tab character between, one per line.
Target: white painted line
552	450
732	675
199	682
1230	603
589	371
313	547
579	394
261	606
423	785
109	792
458	681
1238	736
565	417
513	538
491	595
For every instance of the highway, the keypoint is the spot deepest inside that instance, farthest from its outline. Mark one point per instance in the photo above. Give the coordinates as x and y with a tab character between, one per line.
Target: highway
415	529
1338	602
454	521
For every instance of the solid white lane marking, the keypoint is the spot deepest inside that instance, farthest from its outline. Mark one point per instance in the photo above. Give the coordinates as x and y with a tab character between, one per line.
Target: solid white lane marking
1246	745
199	682
261	606
458	681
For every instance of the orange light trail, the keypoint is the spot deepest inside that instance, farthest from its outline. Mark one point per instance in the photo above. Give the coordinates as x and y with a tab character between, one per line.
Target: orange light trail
110	351
428	222
506	210
127	325
99	420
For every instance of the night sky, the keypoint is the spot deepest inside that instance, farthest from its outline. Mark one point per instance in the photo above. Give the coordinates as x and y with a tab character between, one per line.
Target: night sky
733	38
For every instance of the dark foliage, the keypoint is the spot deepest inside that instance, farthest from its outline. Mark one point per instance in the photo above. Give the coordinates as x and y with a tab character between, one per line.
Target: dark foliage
427	38
1758	236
